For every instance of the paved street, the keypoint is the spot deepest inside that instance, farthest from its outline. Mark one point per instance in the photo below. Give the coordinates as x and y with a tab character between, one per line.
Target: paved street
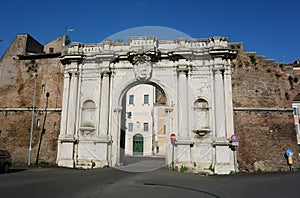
111	182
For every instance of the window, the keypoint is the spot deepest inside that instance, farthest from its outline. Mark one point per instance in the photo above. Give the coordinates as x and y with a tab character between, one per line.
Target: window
131	99
146	127
51	50
43	89
130	127
146	99
38	122
296	111
165	129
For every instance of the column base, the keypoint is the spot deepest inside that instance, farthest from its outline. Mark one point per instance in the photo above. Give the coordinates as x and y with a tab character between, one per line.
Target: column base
224	160
69	163
223	168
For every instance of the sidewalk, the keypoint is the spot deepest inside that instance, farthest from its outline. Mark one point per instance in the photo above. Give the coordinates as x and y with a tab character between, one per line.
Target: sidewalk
142	164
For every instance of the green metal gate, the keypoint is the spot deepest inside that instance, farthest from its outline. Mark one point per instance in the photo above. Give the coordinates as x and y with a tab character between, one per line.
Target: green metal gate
138	144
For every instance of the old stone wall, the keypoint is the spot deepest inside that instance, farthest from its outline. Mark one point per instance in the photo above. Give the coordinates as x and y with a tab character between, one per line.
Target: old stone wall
16	96
263	117
264	138
15	135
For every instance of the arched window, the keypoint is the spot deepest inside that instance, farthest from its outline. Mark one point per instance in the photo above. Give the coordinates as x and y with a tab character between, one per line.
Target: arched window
201	115
88	116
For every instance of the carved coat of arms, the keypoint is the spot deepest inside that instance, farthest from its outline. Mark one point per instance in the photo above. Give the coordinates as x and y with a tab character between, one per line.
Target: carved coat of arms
142	67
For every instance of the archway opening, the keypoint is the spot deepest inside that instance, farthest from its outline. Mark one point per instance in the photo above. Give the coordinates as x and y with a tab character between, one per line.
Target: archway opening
143	123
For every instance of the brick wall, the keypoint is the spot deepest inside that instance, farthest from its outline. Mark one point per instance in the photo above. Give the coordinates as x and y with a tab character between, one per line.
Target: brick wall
15	135
16	98
263	118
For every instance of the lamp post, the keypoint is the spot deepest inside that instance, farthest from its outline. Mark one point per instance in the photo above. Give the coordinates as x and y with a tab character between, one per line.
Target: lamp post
32	120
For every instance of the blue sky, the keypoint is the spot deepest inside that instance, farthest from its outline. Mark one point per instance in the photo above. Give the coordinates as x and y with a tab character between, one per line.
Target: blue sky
270	28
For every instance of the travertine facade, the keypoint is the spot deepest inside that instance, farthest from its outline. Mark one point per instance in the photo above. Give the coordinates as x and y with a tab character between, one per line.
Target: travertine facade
195	76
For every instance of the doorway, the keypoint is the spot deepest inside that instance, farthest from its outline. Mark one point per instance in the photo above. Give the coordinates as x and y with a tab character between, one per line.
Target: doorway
138	145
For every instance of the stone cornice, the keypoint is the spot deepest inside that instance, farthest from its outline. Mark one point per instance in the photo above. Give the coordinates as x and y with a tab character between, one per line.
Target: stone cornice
68	59
29	109
288	110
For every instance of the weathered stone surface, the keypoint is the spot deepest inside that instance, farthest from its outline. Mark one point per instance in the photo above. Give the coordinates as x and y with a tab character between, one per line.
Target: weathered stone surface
263	117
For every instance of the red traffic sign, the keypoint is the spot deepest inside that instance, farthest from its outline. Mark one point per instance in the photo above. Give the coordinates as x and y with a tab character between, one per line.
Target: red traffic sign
234	138
172	137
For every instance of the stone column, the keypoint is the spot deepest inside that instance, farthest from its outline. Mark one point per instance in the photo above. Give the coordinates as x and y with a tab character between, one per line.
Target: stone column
228	101
65	99
223	154
182	151
104	104
183	133
219	103
115	143
169	130
65	155
72	103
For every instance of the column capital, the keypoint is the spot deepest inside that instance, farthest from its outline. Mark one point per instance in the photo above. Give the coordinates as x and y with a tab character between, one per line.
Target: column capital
117	110
219	69
73	72
106	73
182	70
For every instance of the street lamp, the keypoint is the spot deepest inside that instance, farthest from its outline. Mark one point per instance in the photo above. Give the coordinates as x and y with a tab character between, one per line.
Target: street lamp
32	120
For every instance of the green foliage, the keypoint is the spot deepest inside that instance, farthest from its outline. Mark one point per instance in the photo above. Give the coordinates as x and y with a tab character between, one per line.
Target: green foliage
258	170
183	168
42	163
291	80
211	168
32	67
295	79
93	164
252	59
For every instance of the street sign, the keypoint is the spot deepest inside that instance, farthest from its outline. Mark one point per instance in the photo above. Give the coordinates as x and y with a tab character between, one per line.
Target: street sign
234	138
289	152
173	137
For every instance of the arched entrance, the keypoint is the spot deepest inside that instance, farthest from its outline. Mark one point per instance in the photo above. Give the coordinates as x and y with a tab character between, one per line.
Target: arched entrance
138	144
143	113
98	76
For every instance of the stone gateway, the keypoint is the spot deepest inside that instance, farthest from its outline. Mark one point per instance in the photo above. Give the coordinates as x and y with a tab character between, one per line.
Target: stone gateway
193	74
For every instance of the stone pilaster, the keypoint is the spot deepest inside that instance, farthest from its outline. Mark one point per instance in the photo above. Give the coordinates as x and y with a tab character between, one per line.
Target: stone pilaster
67	140
183	152
72	103
223	154
115	145
182	91
219	102
104	102
64	114
228	101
